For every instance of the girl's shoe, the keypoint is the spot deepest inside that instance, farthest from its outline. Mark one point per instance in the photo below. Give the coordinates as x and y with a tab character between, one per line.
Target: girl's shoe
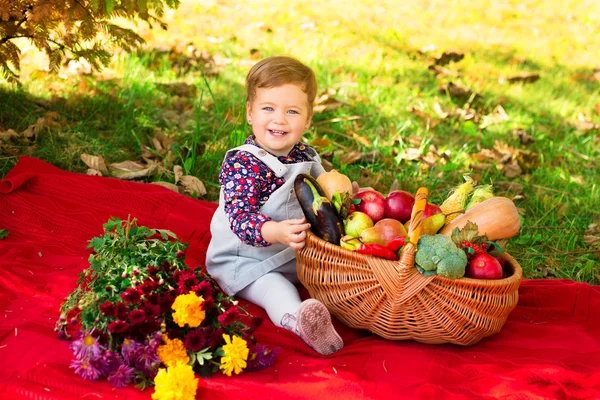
315	328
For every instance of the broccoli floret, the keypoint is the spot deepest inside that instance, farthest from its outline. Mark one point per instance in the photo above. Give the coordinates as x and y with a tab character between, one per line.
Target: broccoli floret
439	253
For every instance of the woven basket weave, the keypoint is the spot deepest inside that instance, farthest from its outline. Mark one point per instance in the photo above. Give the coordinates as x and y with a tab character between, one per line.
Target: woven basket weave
395	301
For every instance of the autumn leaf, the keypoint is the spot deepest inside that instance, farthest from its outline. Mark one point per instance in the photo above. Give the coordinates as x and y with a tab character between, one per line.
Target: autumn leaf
447	57
192	185
167	185
591	237
95	163
524	77
131	170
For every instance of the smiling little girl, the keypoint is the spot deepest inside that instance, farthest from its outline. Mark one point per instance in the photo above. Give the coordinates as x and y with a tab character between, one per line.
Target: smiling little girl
259	223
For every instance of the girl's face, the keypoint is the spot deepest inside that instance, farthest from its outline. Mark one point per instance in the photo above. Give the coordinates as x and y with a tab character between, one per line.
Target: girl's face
279	115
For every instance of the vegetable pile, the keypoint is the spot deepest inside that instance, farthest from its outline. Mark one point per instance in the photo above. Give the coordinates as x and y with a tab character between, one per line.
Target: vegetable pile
463	237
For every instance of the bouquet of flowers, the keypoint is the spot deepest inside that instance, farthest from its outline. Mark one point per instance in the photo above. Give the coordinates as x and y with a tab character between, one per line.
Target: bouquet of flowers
145	317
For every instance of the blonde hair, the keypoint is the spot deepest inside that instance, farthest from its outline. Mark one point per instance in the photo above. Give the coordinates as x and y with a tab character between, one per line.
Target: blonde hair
278	71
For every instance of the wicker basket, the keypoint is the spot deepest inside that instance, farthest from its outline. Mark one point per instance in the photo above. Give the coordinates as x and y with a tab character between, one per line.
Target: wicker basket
395	301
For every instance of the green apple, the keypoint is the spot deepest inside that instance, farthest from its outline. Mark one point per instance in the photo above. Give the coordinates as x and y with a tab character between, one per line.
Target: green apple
357	222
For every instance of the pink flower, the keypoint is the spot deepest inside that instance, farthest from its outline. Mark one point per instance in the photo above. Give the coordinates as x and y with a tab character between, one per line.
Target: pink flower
87	346
86	369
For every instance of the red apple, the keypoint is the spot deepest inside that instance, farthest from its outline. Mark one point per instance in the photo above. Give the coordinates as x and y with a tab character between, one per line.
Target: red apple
399	205
371	203
484	266
431	209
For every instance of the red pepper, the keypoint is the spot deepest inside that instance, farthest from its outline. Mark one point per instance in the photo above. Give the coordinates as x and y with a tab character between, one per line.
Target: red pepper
397	243
377	250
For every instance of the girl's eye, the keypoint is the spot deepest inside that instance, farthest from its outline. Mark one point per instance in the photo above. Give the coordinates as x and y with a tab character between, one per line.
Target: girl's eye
293	112
268	108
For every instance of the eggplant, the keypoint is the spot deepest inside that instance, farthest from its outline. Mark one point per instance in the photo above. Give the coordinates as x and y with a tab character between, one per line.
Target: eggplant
322	216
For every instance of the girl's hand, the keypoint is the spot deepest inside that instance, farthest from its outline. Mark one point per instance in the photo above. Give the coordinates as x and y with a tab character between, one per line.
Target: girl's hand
291	232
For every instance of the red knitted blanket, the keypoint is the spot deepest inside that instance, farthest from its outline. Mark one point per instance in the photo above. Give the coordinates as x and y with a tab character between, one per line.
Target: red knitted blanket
548	349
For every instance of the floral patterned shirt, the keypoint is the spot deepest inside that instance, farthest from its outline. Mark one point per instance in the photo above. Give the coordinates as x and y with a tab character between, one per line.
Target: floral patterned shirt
247	184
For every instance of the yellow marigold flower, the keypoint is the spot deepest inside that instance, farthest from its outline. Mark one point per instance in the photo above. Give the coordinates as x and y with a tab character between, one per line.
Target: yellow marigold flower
236	354
188	310
172	352
177	382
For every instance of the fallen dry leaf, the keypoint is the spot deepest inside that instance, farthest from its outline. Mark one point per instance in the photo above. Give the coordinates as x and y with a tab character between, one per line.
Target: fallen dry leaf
525	77
349	157
584	124
447	57
320	142
95	163
8	135
597	108
93	172
591	237
192	185
457	90
49	120
326	101
178	172
523	137
508	187
497	116
178	89
168	185
442	72
131	170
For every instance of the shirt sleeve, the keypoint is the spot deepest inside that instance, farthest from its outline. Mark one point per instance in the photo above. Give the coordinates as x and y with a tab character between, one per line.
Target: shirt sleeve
242	193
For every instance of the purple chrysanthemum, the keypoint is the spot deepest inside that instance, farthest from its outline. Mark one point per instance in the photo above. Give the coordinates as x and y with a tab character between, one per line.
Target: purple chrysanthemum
122	376
87	346
130	350
110	361
86	369
147	360
262	357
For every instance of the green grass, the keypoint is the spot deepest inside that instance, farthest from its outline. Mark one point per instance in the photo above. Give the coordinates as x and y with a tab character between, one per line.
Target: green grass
369	53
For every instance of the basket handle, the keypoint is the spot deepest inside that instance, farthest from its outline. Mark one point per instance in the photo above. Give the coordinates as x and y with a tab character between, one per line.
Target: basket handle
407	258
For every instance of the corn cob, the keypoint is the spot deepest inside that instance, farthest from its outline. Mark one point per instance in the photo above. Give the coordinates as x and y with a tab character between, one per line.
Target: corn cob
457	199
480	193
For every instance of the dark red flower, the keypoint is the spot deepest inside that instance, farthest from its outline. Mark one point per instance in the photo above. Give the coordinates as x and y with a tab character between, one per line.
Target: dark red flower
195	340
118	326
108	309
165	266
132	295
186	280
229	316
203	289
254	323
148	286
152	298
180	254
208	303
137	316
121	310
152	270
215	338
151	310
166	300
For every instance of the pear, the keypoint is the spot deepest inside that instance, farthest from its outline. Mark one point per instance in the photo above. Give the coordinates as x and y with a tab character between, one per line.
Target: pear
350	243
433	224
383	232
357	222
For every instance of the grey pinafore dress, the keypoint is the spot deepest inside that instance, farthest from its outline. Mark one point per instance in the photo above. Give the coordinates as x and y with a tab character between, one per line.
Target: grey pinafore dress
234	264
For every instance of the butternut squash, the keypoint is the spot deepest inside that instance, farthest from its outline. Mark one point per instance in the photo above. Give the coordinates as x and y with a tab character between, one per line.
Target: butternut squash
497	218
